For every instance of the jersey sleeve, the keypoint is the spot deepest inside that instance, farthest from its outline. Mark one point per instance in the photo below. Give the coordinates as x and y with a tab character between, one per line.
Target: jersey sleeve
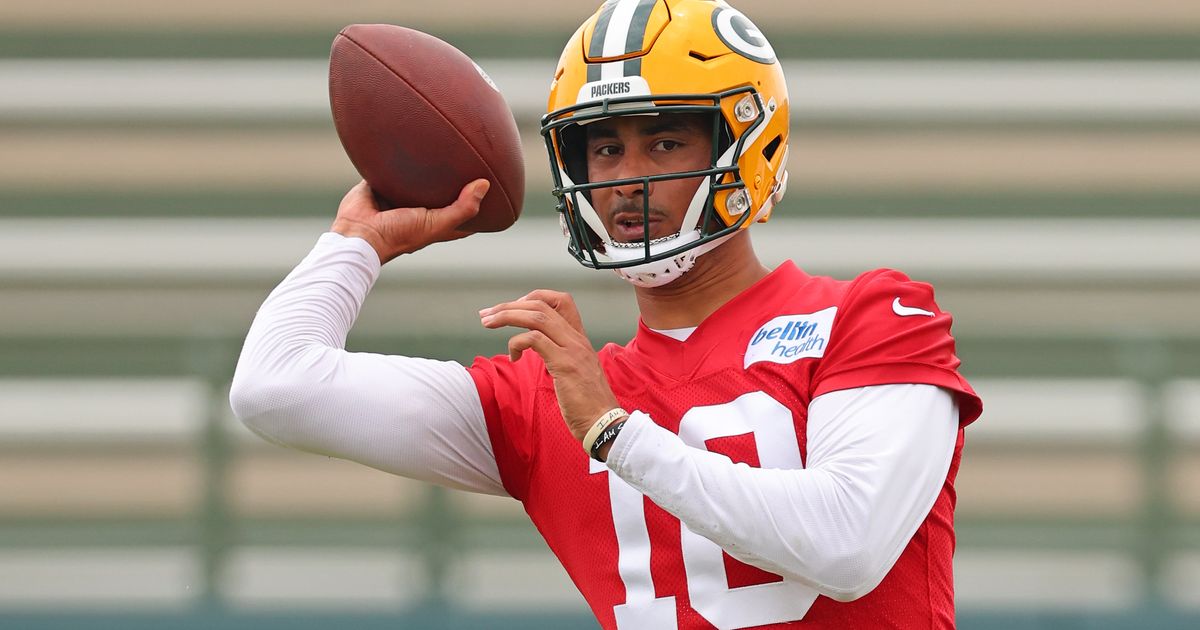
889	329
507	391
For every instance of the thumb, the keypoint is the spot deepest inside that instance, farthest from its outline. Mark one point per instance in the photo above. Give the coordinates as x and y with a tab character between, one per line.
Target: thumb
466	206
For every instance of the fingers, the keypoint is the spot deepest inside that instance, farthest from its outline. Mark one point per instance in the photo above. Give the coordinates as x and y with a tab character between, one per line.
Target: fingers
555	333
359	190
537	316
557	301
358	202
548	334
540	343
396	231
561	302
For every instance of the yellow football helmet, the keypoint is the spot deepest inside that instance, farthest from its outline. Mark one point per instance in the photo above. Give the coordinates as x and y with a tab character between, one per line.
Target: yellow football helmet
639	57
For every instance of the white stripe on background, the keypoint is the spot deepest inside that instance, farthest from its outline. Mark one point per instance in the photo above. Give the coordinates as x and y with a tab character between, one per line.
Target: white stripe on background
102	408
511	581
1045	580
1057	410
1108	250
99	578
1183	416
850	90
311	579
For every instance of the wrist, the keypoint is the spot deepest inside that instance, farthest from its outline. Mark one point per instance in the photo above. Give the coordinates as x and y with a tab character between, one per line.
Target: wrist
601	453
353	229
604	430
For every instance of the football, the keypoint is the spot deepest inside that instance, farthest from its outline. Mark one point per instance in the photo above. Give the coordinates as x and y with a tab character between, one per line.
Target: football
419	120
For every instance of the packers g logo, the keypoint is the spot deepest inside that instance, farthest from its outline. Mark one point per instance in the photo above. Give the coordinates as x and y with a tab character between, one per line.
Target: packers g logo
741	35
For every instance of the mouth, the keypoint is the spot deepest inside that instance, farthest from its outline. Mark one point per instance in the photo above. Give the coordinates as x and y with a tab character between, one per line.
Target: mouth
632	228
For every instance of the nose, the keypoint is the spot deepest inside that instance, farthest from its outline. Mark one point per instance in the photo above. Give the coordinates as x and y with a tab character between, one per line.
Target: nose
634	164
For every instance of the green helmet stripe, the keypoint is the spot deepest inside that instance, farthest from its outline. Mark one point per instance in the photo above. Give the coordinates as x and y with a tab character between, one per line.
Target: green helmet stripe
628	28
636	34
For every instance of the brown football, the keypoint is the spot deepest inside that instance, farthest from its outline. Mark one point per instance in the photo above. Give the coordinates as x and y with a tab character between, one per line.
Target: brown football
419	120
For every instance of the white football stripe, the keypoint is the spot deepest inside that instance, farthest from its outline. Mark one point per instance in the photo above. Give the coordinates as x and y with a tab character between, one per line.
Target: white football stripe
612	70
617	35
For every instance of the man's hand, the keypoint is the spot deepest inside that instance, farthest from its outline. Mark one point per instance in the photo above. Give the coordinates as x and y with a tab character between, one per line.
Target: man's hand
405	230
556	333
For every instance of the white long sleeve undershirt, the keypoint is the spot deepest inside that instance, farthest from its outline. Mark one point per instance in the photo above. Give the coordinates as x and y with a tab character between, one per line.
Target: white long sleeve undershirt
877	456
297	386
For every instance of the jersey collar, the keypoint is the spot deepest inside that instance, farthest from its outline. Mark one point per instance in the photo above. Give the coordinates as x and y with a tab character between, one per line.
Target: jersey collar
722	330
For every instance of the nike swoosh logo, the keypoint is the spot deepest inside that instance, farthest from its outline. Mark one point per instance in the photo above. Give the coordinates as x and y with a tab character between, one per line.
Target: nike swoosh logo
905	311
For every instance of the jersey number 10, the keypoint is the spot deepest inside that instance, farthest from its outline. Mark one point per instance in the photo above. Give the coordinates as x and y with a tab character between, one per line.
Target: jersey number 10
770	422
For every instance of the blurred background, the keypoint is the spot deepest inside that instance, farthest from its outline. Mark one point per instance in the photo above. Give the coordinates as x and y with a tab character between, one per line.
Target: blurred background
163	165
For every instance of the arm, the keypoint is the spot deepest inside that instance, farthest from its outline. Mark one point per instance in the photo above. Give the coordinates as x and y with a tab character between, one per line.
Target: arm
297	386
877	459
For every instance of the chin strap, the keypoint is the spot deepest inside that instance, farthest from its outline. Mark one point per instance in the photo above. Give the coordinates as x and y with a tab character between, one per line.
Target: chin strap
659	273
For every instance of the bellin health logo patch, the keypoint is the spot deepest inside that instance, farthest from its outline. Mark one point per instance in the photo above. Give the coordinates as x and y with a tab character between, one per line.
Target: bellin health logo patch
789	338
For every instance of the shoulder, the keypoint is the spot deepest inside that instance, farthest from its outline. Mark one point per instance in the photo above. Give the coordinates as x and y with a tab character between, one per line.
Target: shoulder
882	277
891	293
889	329
866	290
883	311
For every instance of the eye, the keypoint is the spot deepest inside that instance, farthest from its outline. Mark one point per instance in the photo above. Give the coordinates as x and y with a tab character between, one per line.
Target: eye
607	150
667	145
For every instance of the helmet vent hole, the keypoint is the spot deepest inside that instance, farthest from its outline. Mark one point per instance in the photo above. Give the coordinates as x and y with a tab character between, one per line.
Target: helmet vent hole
700	56
772	147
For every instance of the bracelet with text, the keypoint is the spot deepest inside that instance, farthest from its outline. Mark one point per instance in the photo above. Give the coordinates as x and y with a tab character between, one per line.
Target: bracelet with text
606	436
598	427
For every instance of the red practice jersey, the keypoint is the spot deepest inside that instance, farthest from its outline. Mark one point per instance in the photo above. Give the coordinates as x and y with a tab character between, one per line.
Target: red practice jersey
768	352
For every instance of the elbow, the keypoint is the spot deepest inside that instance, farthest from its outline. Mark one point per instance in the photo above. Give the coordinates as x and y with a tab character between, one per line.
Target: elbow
249	401
851	573
265	407
246	399
840	570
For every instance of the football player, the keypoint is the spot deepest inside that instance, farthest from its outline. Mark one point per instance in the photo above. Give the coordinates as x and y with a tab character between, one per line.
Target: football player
772	449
